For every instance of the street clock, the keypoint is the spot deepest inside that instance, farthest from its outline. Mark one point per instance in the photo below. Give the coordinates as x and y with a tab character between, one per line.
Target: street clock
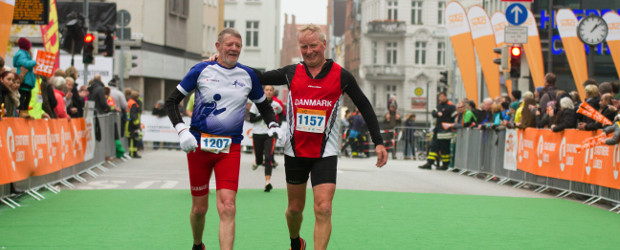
592	30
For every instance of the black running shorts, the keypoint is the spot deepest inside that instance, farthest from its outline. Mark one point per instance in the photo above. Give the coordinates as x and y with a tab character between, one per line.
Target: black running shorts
298	169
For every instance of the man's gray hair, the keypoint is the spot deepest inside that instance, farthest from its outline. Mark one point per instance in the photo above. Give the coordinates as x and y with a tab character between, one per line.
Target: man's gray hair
312	28
229	31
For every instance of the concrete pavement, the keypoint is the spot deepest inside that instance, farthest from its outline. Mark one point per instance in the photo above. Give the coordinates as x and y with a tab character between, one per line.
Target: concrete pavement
167	169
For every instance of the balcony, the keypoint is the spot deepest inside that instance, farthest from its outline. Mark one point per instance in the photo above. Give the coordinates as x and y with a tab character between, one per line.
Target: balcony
385	72
386	28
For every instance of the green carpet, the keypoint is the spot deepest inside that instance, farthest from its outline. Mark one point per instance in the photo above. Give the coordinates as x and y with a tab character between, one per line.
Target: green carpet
158	219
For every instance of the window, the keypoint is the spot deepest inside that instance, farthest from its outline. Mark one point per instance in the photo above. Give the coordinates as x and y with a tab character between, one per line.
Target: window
391	52
374	52
392	10
229	23
440	9
420	53
251	33
441	53
416	12
179	8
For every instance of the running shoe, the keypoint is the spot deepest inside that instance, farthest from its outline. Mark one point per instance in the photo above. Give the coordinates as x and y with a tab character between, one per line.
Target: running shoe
254	166
303	244
268	187
201	247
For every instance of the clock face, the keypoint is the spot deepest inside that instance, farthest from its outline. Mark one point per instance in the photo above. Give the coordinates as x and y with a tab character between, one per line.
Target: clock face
592	30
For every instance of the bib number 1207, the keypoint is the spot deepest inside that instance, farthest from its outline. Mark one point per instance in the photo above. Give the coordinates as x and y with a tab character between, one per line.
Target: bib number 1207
215	144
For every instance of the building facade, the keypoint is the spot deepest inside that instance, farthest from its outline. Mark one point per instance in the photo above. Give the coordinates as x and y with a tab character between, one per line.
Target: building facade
260	31
403	48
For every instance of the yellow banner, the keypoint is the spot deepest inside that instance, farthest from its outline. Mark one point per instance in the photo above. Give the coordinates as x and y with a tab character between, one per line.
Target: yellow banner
49	32
6	20
484	42
533	52
575	51
613	37
499	23
460	36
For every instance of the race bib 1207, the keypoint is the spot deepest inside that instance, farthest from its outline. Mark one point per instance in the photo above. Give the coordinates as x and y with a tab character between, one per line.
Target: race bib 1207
309	120
215	143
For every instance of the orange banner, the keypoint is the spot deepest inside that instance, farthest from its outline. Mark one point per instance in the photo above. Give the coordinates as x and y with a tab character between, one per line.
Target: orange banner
39	147
460	36
6	20
49	32
484	42
574	48
613	37
499	23
556	155
533	52
45	63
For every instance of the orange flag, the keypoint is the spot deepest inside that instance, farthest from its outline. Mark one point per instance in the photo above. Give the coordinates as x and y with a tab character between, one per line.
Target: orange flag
613	37
484	42
575	51
460	36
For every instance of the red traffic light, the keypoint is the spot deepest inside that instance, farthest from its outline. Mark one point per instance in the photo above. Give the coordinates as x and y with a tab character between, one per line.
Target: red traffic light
515	51
89	38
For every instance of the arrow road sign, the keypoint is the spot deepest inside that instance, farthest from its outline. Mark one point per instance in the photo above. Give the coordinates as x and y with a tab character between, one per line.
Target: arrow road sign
516	14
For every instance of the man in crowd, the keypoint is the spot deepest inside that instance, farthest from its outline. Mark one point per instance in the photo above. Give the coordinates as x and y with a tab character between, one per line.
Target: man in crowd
440	144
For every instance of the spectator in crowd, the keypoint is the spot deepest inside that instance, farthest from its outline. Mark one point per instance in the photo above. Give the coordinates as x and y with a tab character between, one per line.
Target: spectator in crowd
1	64
281	117
96	93
110	101
76	106
465	117
593	99
133	123
515	96
160	112
9	94
526	113
392	120
605	88
60	89
121	103
549	91
486	116
409	137
574	95
606	109
471	106
565	118
589	82
357	131
24	64
519	112
440	144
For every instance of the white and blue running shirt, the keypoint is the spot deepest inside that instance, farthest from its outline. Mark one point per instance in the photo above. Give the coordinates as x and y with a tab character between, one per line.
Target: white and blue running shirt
220	97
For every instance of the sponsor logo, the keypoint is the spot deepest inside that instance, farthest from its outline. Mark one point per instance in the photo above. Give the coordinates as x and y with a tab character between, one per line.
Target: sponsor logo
312	86
313	102
500	26
199	188
456	18
211	80
479	20
567	22
238	84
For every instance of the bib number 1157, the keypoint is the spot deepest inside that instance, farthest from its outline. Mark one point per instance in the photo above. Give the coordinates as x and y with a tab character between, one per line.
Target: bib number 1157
312	121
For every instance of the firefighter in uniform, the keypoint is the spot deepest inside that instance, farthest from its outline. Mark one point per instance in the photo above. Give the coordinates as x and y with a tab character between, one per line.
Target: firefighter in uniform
132	129
440	145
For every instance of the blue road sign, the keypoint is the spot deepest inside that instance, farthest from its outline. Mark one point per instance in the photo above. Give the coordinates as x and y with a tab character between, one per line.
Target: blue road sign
516	14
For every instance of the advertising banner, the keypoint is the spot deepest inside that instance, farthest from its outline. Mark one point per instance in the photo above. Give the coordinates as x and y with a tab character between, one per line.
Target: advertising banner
460	36
613	37
575	51
39	147
49	33
6	20
45	63
533	51
557	155
484	42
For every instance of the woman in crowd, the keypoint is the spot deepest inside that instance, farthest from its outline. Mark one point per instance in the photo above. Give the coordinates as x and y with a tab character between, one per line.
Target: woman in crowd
9	96
566	117
24	64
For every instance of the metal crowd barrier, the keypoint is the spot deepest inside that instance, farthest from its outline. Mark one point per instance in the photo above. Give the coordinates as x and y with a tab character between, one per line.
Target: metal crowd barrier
104	149
482	152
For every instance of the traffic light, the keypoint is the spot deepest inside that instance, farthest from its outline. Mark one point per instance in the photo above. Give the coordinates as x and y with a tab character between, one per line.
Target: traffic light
515	61
502	61
444	77
87	55
128	63
73	32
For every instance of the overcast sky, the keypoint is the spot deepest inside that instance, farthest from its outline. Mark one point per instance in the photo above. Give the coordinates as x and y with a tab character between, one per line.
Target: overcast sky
305	11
